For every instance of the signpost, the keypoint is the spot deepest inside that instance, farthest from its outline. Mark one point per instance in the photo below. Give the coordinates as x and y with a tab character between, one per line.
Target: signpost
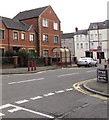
102	75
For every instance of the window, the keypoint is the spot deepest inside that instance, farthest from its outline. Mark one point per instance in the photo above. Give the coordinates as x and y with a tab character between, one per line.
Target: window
100	36
45	53
92	45
55	26
45	38
45	23
55	39
31	37
2	35
80	37
16	36
23	36
81	45
77	37
1	51
77	45
86	45
91	36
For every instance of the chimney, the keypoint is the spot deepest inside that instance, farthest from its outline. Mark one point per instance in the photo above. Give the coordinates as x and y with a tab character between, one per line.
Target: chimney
76	29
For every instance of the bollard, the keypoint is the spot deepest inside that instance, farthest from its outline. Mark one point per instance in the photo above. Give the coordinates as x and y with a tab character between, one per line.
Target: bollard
28	65
31	65
105	66
34	65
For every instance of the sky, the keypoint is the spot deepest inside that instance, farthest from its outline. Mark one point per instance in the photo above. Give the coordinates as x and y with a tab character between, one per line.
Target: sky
72	13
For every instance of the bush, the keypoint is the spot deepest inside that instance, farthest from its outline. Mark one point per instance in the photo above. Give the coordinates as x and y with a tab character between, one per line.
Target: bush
23	58
10	53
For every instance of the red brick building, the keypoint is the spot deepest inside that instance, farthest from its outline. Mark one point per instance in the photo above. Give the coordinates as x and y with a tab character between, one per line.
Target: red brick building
16	35
37	29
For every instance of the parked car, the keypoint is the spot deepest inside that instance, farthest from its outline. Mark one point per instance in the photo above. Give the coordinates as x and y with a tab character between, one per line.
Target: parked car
86	61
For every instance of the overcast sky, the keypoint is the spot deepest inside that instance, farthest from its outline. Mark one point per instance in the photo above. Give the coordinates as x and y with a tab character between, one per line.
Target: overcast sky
72	13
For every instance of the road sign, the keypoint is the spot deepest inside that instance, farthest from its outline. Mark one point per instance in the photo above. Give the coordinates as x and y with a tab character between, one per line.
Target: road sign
102	75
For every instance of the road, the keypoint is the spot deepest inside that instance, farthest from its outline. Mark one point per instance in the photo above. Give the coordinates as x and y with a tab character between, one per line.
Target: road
50	94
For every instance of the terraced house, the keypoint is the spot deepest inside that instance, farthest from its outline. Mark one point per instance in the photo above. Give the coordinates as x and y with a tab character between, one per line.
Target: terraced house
37	29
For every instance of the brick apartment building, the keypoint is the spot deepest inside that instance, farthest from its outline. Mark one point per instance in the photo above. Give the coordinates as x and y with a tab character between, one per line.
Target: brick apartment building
37	29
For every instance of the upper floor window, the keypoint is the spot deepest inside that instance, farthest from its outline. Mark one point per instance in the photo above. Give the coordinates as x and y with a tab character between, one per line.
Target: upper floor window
81	45
55	39
86	45
23	36
55	26
31	37
45	23
77	45
2	34
77	37
16	36
45	38
91	37
80	37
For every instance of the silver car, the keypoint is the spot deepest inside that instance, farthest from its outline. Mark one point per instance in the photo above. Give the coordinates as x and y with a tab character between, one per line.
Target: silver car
86	61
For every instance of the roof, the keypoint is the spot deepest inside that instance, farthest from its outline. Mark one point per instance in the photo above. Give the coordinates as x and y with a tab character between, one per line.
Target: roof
30	13
67	35
79	32
14	24
99	25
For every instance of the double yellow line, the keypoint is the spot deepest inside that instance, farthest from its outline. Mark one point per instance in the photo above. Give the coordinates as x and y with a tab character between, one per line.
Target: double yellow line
78	87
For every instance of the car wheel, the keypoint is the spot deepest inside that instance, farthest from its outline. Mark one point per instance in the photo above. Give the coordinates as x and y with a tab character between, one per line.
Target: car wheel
89	65
95	65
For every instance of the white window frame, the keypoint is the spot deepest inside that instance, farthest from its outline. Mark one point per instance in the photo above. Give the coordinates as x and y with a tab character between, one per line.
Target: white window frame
31	37
55	39
55	26
45	37
45	22
16	35
23	36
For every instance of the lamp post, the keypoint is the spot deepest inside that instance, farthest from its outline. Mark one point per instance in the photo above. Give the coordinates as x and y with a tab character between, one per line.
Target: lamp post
99	47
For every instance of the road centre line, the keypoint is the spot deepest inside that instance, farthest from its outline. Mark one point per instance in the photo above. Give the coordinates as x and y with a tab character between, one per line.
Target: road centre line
91	71
67	74
60	91
24	81
36	98
49	94
22	101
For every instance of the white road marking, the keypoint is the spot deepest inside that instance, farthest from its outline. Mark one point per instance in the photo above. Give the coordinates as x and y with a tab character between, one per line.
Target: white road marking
67	74
91	71
24	81
36	98
14	109
60	91
1	114
70	89
22	101
49	94
5	106
31	111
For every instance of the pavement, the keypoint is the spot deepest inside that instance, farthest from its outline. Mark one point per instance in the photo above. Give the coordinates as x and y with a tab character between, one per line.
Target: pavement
92	86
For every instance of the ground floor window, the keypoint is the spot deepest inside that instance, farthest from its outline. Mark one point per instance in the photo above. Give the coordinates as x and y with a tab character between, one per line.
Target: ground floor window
89	54
46	53
1	51
100	55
